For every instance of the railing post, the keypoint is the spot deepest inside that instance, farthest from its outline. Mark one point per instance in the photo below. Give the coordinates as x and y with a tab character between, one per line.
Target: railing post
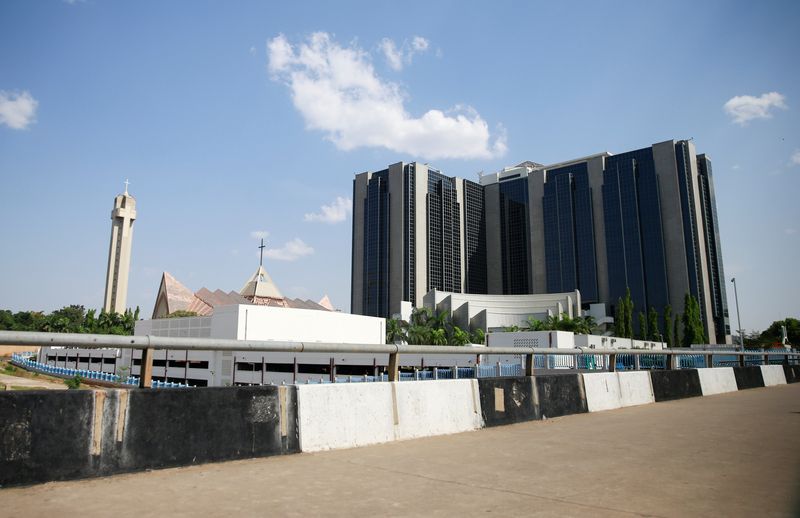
146	369
637	362
612	362
455	372
529	365
742	362
765	361
436	373
394	368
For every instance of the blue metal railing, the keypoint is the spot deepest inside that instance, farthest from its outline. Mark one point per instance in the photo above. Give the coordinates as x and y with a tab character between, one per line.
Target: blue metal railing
29	364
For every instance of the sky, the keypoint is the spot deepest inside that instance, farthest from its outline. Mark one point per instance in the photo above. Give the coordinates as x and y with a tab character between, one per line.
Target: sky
239	120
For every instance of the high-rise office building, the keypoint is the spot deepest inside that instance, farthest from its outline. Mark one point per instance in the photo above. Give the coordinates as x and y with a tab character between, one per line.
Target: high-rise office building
643	221
119	252
414	230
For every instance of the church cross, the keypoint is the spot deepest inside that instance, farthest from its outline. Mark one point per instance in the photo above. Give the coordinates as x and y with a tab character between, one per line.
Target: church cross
126	186
261	261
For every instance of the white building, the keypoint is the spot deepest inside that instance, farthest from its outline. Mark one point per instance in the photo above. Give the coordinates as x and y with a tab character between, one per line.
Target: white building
497	312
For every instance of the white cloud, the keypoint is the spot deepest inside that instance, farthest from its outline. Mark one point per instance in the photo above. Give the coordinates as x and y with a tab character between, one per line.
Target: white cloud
336	212
17	110
252	51
291	251
259	234
337	91
394	56
744	108
397	57
795	160
790	231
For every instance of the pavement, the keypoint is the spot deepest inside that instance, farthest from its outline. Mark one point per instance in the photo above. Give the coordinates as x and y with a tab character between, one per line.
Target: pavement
728	455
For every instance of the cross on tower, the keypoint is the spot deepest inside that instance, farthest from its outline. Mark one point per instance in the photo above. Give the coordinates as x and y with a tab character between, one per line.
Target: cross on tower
261	261
126	186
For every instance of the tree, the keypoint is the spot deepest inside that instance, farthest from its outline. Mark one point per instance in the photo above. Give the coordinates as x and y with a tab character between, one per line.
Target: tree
535	324
619	318
642	334
477	337
692	324
458	337
774	334
675	328
438	337
395	331
668	325
653	329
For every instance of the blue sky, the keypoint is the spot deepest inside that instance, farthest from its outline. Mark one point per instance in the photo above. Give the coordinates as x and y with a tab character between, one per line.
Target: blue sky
237	118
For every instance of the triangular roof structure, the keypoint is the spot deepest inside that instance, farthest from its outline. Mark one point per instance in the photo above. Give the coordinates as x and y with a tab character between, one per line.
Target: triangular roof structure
325	302
259	286
174	296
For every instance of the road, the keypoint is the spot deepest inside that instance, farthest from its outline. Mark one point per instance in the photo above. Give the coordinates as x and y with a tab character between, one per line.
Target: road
729	455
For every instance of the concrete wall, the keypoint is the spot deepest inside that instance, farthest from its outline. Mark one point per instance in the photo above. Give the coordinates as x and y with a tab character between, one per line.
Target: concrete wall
792	373
348	415
508	400
635	388
773	375
675	384
748	377
49	435
560	394
717	380
602	391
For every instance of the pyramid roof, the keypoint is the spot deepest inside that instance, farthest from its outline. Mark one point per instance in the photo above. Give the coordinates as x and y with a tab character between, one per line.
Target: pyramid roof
261	285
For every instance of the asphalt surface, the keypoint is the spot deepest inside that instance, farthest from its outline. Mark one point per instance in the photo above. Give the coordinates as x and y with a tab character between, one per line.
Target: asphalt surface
729	455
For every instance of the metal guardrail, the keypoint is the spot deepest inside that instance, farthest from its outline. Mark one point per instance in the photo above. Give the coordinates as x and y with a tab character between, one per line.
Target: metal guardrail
148	343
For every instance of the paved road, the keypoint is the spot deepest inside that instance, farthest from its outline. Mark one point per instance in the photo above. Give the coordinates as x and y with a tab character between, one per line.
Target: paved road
728	455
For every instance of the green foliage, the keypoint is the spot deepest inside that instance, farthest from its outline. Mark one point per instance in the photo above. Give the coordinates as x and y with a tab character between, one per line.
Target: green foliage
73	383
623	316
478	337
675	331
181	313
642	334
773	333
693	332
70	319
670	337
425	327
10	368
653	329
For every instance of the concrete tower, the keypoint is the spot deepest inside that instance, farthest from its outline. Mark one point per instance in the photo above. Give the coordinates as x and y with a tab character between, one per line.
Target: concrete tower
119	252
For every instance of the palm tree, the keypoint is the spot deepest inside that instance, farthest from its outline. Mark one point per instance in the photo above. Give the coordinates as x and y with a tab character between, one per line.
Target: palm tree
396	331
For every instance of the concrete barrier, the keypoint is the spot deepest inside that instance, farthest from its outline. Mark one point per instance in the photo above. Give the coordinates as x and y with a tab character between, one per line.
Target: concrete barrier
748	377
718	380
560	394
635	388
344	415
356	414
508	400
602	391
792	373
675	384
773	375
437	408
60	435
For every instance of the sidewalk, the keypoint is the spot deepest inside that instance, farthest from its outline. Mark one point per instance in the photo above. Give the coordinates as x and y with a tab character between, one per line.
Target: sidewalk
734	454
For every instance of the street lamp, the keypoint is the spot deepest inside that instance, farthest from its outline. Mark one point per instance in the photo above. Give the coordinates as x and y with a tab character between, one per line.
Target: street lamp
738	316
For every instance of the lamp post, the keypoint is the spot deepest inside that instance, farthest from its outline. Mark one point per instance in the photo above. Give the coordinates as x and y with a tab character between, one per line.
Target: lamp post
738	316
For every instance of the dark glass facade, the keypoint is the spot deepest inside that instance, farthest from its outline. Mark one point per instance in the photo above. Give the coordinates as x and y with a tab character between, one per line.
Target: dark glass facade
716	273
633	231
569	232
376	246
514	236
474	238
444	236
409	231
